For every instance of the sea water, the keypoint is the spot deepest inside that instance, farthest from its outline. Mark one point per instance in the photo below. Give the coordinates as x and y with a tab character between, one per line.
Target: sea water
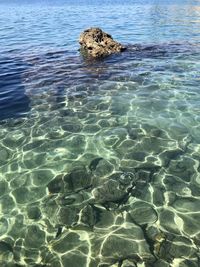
99	159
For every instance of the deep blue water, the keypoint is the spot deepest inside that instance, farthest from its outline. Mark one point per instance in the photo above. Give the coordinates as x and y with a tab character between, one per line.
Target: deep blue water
99	159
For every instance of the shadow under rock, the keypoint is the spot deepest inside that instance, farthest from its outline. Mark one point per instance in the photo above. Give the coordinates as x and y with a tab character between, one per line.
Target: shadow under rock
14	102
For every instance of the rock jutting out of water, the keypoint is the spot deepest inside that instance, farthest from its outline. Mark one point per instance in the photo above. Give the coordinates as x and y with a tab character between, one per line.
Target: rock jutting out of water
96	43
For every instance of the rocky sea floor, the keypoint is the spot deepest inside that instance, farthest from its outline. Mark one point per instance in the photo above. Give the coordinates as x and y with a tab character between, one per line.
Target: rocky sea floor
102	168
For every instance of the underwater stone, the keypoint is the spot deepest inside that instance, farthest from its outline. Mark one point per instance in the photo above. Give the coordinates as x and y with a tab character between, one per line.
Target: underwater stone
103	106
33	212
190	262
94	163
126	180
56	185
161	263
51	261
91	128
135	133
152	144
182	246
190	223
143	213
70	241
128	263
126	242
3	226
158	195
4	155
176	185
96	43
123	184
104	218
169	155
176	248
128	165
77	199
136	155
7	204
75	259
195	189
143	176
72	127
183	168
35	237
31	256
30	146
115	247
167	220
126	146
108	192
22	195
18	227
119	132
103	123
68	215
55	133
6	251
111	140
154	233
32	160
14	139
3	188
88	217
41	177
77	141
14	166
119	108
17	248
178	130
142	191
50	209
186	204
77	179
103	168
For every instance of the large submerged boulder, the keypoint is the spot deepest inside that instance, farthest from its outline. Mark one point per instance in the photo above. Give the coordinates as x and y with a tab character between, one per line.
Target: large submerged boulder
96	43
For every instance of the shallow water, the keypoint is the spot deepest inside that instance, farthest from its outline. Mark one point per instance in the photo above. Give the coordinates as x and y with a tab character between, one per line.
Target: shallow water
99	159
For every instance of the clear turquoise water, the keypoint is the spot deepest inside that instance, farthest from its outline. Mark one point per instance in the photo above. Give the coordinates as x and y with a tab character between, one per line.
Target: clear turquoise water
99	160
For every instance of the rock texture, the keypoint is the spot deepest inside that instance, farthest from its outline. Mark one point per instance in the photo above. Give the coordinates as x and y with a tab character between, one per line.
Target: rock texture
96	43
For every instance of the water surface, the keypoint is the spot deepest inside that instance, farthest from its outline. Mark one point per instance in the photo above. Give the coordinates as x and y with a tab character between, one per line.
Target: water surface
99	159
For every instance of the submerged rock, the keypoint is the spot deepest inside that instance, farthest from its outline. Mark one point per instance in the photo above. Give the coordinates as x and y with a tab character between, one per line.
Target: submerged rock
128	263
126	242
97	43
78	179
143	213
116	189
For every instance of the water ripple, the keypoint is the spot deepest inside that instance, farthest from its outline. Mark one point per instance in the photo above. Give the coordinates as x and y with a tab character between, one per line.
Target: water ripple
99	159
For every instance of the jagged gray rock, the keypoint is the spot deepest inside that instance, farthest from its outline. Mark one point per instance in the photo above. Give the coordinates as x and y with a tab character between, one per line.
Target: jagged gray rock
96	43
